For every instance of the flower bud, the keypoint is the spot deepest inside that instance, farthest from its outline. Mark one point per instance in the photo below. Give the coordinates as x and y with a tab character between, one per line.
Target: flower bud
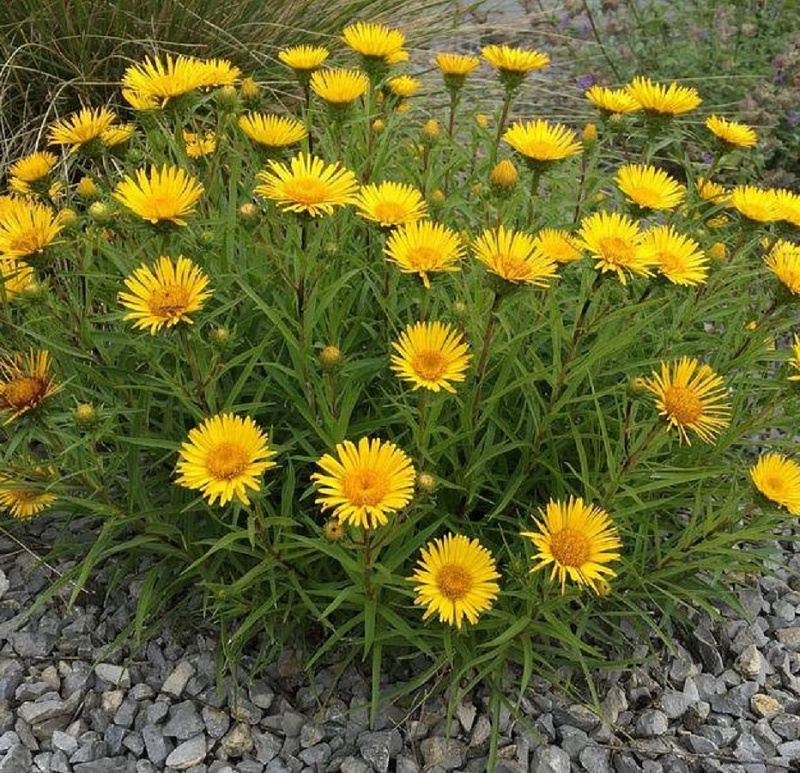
69	217
431	129
378	126
637	385
227	99
135	156
437	196
718	251
589	134
101	212
482	120
331	357
504	175
426	482
221	337
249	212
333	531
85	415
459	308
208	236
87	188
249	89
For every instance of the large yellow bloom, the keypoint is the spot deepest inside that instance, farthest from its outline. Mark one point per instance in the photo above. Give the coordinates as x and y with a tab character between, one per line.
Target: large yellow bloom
612	100
364	483
25	383
663	100
224	457
272	131
578	539
614	240
27	227
560	246
15	276
33	167
164	294
513	256
81	128
424	247
731	132
541	140
649	187
304	58
676	256
27	496
783	260
788	205
308	185
168	193
431	355
691	396
391	204
459	65
455	579
778	479
373	40
514	60
339	87
757	204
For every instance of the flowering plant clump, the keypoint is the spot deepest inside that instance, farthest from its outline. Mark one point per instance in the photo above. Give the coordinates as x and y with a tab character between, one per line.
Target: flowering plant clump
350	369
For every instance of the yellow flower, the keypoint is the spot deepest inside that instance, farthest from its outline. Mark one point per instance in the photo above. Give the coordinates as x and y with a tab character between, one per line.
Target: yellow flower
663	100
116	135
403	85
33	167
589	134
249	89
676	256
391	204
15	276
27	227
168	193
560	246
794	362
331	357
514	60
87	188
431	129
304	58
455	579
365	483
339	88
513	256
708	190
308	185
649	187
788	204
504	175
219	72
612	100
458	65
614	240
778	479
165	294
731	133
398	57
273	131
223	457
373	40
541	141
26	497
140	102
691	396
423	247
718	251
431	355
81	128
25	382
578	539
756	204
199	145
783	260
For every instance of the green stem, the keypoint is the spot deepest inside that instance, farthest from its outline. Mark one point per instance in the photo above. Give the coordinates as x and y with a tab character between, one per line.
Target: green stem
501	124
535	178
188	350
484	357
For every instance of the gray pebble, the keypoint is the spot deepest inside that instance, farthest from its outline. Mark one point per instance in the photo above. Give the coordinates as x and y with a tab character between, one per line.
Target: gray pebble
105	765
189	753
158	748
550	759
447	753
316	755
32	645
184	722
216	721
237	741
116	675
651	724
175	683
787	726
16	759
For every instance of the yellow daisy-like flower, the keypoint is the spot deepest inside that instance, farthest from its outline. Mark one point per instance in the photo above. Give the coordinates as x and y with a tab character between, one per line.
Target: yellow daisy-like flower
649	187
304	58
219	72
164	294
794	362
223	457
199	145
81	128
424	247
731	133
560	246
459	65
15	276
364	483
455	579
373	40
788	205
27	227
783	260
542	141
391	204
757	204
577	539
33	167
663	100
308	185
25	383
778	478
168	193
691	396
612	100
26	497
431	355
272	131
708	190
513	256
676	256
117	135
614	240
403	85
339	88
514	60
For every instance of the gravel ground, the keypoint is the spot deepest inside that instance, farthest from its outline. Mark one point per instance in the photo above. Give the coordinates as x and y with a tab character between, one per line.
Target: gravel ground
726	699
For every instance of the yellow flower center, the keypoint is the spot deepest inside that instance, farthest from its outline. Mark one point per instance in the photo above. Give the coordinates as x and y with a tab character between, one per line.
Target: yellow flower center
365	488
454	581
23	497
390	212
648	197
429	365
683	405
616	250
227	461
161	206
775	486
671	263
570	547
23	391
422	257
169	301
306	190
25	243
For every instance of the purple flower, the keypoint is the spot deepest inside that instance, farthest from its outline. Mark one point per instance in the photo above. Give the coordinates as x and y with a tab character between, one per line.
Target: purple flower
793	118
707	157
585	81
